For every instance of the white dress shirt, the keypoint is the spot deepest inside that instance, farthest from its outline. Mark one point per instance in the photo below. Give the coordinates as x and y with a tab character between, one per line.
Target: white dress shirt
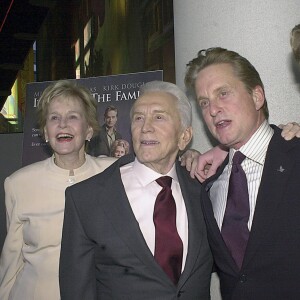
142	190
255	151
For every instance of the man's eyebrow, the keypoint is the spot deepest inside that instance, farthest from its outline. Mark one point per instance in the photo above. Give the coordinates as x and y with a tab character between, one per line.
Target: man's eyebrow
225	86
137	112
202	98
215	91
159	111
154	111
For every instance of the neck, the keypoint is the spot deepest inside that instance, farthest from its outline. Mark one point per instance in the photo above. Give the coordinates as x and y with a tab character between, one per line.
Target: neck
68	162
110	129
162	168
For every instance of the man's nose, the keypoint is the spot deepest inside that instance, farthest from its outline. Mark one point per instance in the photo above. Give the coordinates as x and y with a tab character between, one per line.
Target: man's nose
214	108
147	126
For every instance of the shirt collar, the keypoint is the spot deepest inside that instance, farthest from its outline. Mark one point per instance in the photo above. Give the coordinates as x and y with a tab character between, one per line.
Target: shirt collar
256	148
147	175
106	129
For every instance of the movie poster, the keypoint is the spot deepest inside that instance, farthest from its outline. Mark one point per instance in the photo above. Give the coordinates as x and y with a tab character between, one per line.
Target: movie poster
119	91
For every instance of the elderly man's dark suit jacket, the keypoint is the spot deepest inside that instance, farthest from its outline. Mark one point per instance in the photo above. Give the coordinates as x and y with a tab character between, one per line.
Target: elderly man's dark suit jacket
104	254
271	264
99	144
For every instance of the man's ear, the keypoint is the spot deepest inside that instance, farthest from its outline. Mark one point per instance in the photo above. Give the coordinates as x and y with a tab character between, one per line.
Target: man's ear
185	138
258	97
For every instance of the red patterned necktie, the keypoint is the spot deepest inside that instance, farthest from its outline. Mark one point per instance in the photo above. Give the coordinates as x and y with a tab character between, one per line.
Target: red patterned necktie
235	230
168	245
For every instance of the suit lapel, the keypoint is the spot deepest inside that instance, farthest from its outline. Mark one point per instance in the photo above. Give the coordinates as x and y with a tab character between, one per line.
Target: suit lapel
196	226
277	169
123	219
207	205
215	237
206	202
105	138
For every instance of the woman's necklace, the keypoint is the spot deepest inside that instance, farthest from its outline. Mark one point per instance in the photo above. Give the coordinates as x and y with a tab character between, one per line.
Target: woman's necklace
71	179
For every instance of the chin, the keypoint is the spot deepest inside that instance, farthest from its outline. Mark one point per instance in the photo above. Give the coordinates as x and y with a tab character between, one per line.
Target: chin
66	152
145	158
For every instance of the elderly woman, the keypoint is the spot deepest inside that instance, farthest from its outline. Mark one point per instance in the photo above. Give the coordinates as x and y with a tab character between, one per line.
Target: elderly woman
119	148
35	194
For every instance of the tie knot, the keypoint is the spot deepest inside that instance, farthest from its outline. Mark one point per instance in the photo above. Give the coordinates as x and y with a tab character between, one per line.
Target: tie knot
238	157
164	181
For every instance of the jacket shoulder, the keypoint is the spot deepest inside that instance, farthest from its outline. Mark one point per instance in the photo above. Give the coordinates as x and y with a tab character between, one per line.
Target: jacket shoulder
36	167
107	176
291	147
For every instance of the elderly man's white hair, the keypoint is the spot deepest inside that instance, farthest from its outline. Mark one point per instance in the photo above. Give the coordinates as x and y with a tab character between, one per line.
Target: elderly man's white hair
183	103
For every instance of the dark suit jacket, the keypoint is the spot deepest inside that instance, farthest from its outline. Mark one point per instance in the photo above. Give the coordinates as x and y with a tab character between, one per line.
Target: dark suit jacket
99	144
271	264
104	254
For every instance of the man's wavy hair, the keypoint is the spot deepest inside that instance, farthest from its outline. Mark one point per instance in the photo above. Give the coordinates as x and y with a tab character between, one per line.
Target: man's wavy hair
242	68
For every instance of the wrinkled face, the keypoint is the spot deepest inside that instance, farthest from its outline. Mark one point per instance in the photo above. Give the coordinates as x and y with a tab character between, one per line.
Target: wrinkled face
156	129
111	119
66	126
120	151
230	112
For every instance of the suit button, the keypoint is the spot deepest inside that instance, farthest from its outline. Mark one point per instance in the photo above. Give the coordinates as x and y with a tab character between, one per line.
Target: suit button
243	278
179	294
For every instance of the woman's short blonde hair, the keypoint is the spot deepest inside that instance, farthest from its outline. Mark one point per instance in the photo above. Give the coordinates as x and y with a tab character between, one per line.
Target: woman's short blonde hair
119	142
67	89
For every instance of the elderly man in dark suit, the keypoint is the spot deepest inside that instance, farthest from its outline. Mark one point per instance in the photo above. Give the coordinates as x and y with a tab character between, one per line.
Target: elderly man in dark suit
136	231
252	204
